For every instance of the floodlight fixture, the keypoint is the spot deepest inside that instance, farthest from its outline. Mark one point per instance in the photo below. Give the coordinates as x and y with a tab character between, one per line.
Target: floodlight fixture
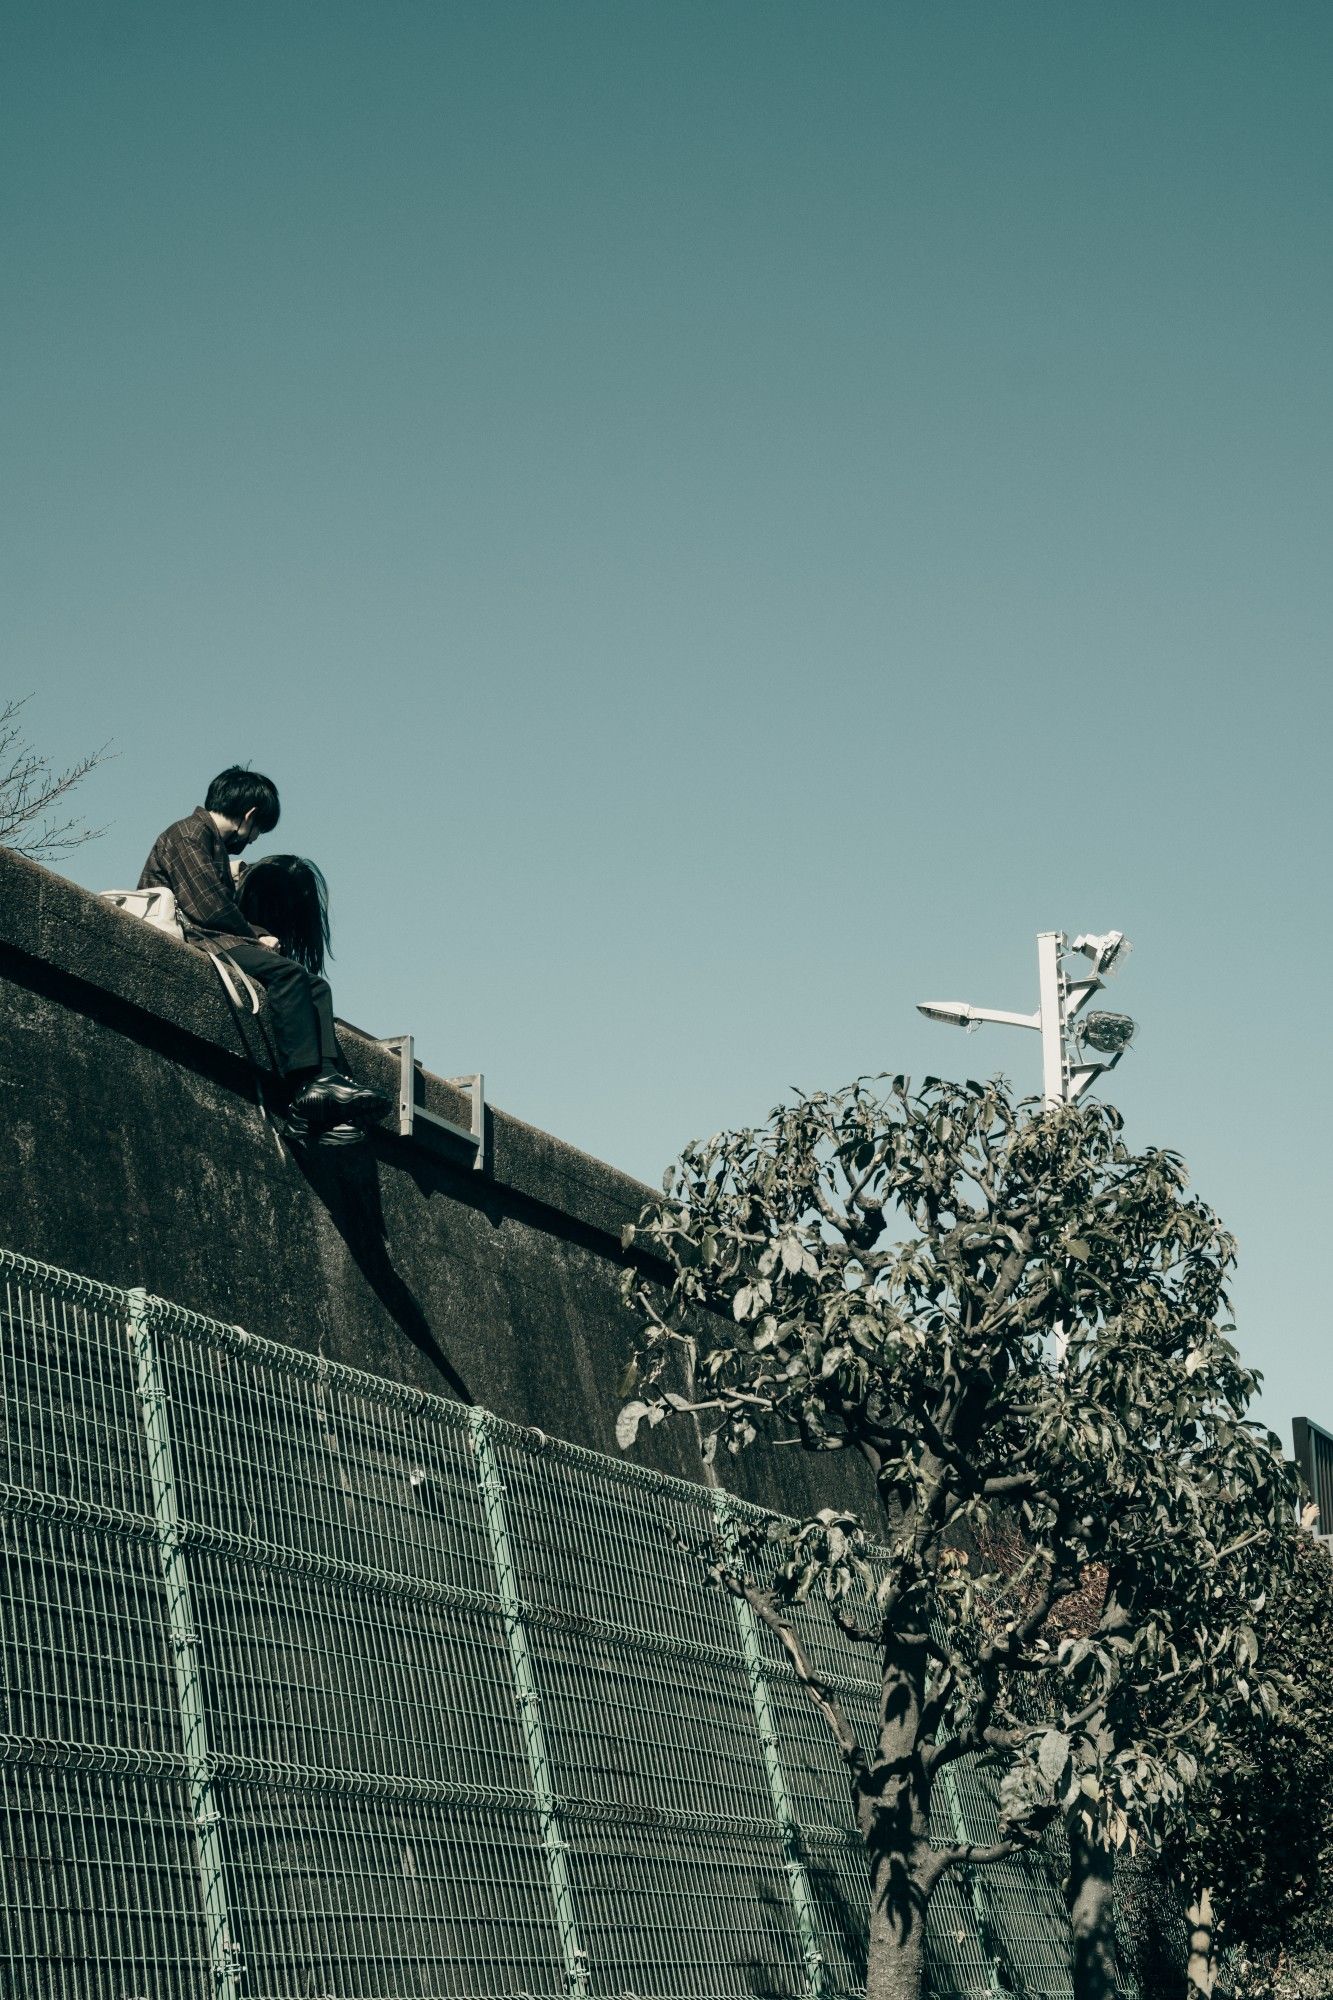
1060	1002
1108	951
1111	1034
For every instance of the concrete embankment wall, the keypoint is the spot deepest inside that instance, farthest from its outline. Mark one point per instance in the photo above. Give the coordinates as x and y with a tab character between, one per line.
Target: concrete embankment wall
135	1152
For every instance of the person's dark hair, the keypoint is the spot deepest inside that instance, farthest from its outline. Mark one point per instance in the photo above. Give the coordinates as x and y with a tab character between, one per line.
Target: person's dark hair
234	791
288	898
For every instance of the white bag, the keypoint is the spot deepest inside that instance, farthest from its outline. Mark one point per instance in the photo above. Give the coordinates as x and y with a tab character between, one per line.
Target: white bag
152	906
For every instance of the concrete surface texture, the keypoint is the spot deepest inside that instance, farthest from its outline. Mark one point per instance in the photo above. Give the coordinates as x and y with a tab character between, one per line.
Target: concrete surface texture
136	1154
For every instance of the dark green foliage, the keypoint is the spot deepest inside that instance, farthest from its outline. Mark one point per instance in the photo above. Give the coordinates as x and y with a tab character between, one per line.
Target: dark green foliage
1002	1311
1260	1829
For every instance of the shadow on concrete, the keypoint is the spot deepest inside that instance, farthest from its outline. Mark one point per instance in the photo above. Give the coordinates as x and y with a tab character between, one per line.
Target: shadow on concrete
347	1184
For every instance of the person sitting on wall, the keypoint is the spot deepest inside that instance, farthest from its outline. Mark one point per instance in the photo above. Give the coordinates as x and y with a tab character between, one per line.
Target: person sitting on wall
193	859
286	897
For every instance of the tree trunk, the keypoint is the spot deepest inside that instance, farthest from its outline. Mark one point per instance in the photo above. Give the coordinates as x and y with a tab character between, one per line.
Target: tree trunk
1091	1904
896	1967
1201	1969
893	1809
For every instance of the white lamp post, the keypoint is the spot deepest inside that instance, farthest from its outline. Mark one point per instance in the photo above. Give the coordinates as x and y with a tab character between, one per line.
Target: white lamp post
1065	1071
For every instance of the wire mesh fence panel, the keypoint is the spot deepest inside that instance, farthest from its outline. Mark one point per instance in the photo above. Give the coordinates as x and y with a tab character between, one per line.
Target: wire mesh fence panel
85	1656
71	1426
677	1874
816	1775
641	1727
308	1673
356	1681
666	1912
641	1674
1020	1899
383	1898
99	1882
839	1879
101	1893
278	1449
960	1963
609	1542
1001	1926
318	1688
348	1622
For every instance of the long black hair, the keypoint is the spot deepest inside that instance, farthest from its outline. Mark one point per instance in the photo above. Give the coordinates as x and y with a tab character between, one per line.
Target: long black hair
289	899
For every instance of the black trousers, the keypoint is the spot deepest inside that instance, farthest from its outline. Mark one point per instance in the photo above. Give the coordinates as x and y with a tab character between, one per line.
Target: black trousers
300	1007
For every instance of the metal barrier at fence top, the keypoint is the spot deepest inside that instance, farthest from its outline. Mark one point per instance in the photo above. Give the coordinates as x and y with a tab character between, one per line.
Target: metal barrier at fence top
318	1686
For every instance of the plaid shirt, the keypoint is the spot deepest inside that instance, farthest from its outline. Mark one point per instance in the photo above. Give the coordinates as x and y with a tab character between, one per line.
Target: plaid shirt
191	861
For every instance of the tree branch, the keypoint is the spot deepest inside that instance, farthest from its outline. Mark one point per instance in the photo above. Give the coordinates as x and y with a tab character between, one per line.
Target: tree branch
971	1854
29	788
1009	1482
761	1603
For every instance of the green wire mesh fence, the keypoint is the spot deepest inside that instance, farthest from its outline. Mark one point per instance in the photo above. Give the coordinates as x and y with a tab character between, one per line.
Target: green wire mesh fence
318	1688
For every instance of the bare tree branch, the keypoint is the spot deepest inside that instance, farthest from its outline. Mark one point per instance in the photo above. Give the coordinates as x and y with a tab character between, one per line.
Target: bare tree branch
30	789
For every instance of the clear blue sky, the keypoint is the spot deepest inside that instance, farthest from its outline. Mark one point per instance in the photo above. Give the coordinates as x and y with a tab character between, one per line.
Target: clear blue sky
723	520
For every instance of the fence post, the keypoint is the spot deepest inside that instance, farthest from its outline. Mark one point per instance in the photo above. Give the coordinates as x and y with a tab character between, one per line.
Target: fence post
960	1833
222	1947
802	1895
529	1705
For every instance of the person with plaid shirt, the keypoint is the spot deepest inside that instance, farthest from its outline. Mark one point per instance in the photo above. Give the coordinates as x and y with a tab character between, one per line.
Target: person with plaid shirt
193	859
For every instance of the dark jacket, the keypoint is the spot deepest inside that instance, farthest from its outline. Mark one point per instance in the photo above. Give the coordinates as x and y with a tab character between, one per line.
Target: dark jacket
191	861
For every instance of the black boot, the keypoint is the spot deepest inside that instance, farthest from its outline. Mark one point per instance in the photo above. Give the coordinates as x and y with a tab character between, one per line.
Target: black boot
300	1132
332	1099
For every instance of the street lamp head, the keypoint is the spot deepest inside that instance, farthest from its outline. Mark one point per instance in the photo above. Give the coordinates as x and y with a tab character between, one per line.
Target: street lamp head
1108	950
956	1012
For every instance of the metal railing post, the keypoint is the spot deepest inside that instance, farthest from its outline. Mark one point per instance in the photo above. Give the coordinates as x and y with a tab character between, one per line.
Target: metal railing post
529	1704
798	1878
961	1834
222	1947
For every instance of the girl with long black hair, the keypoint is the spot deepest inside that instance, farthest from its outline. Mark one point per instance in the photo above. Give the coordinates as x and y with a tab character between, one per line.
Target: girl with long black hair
288	898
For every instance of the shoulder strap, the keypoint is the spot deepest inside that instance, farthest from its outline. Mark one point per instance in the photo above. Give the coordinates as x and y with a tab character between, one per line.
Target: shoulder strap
238	983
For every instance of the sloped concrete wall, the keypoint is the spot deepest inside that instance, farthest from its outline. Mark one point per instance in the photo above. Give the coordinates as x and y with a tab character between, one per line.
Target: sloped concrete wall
134	1152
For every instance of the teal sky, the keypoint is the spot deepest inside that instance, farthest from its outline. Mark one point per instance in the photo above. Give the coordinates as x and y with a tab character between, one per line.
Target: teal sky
723	520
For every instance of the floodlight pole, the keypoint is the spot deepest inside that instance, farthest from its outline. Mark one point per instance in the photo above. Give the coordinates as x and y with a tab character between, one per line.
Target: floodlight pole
1050	1014
1065	1075
1059	1000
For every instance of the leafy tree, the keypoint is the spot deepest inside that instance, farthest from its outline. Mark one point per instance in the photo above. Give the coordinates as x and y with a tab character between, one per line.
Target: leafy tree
31	789
1176	1602
1044	1340
1254	1856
